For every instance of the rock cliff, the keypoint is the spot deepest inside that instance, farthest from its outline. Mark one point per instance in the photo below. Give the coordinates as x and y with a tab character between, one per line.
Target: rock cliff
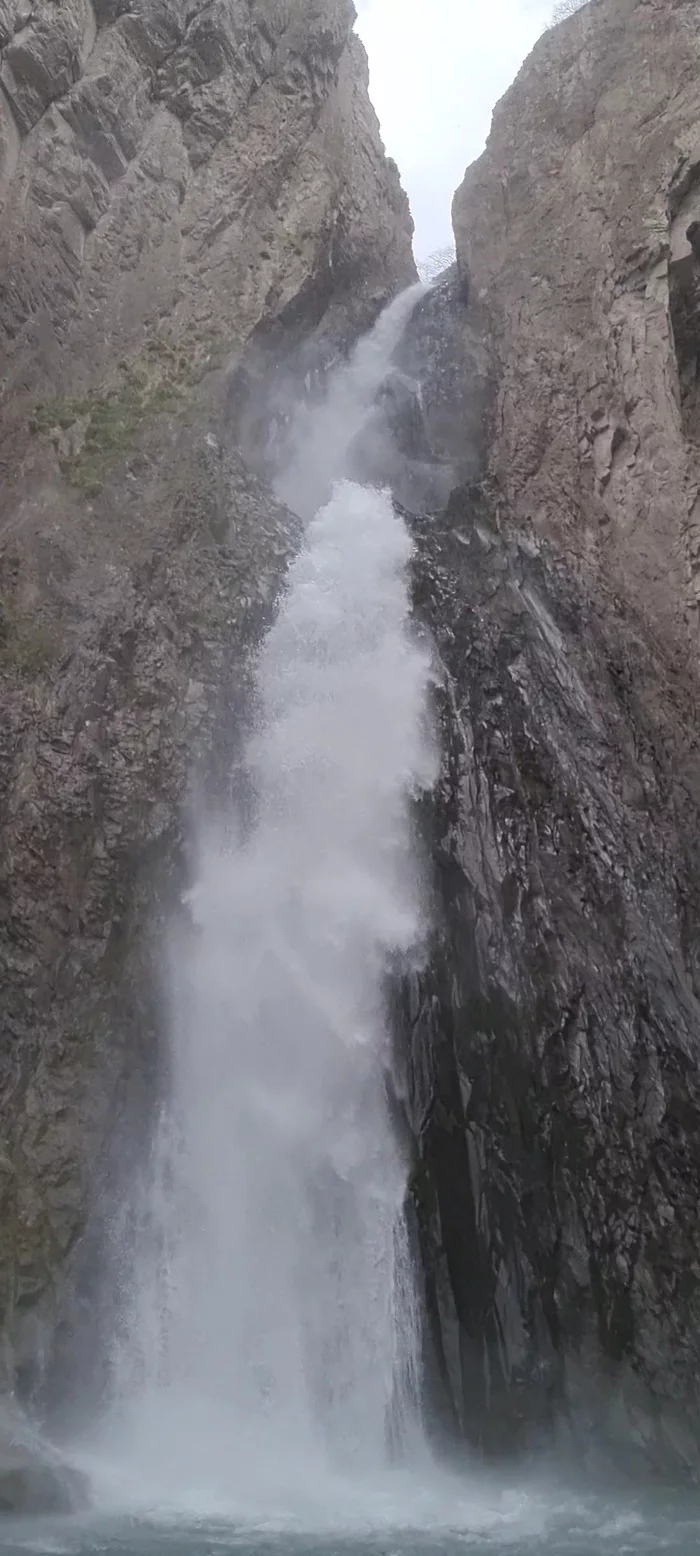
197	220
571	229
175	180
553	1063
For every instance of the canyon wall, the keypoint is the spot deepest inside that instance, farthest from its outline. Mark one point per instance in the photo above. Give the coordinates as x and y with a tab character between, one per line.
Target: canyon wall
197	221
175	180
554	1052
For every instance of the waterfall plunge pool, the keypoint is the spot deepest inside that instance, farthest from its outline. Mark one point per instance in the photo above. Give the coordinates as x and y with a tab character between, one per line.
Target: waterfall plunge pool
529	1517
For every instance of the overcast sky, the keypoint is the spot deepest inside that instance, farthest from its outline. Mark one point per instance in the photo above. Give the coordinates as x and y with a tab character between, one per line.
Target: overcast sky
437	69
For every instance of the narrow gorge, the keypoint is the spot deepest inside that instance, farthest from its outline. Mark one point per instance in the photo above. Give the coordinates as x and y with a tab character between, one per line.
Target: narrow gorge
350	784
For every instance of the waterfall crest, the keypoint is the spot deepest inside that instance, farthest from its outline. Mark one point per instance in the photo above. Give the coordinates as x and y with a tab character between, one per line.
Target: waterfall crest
270	1333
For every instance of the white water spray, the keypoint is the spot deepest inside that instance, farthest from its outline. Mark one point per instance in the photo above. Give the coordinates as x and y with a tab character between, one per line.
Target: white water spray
269	1339
322	434
271	1336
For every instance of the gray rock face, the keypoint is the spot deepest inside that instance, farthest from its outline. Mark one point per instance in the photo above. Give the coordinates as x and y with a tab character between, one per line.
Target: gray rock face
554	1074
430	432
569	231
175	180
101	737
182	173
197	218
552	1046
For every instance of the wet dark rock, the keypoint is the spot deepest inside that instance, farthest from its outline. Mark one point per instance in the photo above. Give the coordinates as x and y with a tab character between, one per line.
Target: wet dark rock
552	1043
33	1489
429	433
551	1046
34	1479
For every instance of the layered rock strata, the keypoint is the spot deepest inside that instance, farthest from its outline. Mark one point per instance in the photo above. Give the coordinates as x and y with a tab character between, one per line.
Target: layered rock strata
175	179
554	1060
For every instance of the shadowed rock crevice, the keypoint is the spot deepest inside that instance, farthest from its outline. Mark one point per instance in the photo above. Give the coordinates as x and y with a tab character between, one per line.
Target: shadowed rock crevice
685	320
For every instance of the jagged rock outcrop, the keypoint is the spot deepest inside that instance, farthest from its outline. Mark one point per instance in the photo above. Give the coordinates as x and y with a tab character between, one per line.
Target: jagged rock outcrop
175	180
571	231
553	1075
177	175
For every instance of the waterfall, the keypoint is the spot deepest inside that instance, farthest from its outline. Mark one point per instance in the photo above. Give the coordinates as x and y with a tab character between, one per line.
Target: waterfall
322	434
270	1334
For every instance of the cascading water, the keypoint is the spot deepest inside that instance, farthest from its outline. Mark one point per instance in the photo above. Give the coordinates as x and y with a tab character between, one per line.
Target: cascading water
323	433
270	1335
266	1371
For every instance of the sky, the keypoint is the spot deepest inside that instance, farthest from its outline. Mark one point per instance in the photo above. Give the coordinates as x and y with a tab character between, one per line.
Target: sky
437	67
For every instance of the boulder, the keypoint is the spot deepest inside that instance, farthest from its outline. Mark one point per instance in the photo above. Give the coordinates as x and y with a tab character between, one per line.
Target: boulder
34	1479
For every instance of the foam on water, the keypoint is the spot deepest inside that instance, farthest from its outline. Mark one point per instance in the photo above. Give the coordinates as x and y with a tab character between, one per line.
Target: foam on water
397	1516
269	1328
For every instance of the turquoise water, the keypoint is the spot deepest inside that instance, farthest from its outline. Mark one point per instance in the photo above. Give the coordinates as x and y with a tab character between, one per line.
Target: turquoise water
481	1520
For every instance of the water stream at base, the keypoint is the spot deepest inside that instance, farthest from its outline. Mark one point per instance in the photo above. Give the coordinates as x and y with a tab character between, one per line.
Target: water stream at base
404	1516
266	1376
